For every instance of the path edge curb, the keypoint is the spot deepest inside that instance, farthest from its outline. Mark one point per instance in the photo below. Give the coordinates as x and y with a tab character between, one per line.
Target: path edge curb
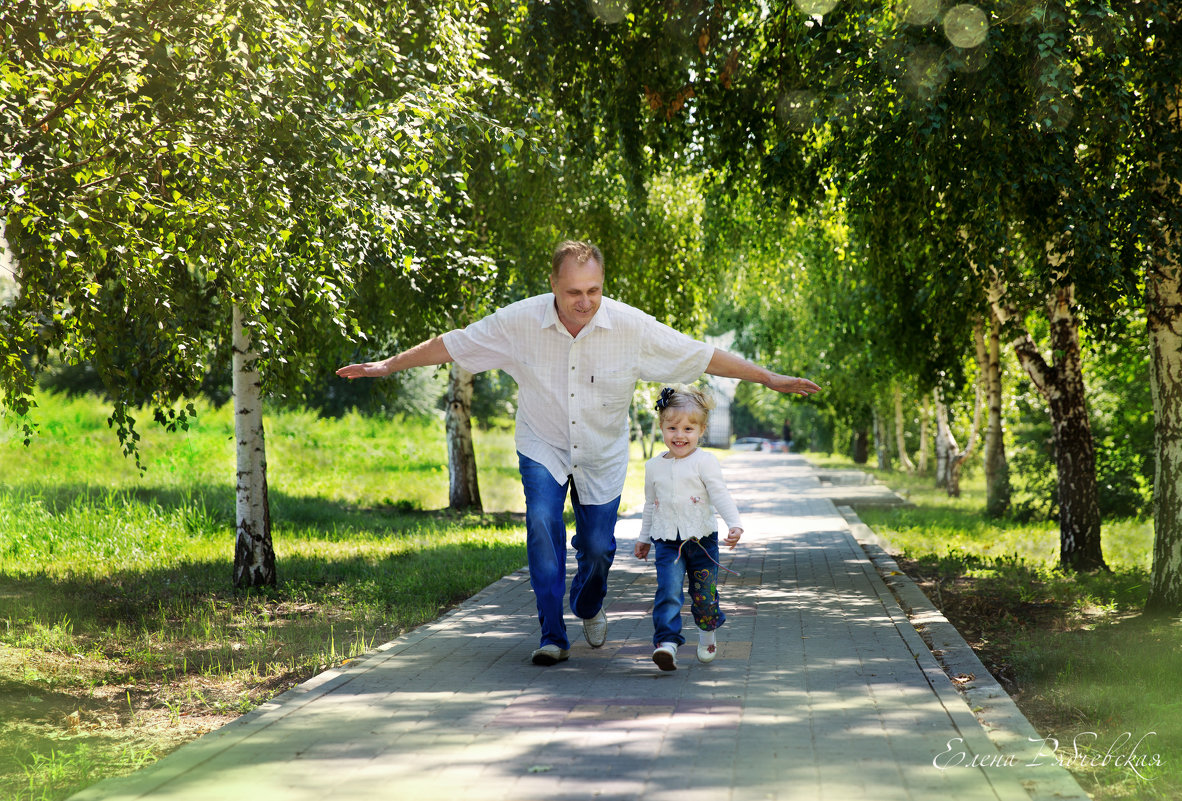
193	753
1005	725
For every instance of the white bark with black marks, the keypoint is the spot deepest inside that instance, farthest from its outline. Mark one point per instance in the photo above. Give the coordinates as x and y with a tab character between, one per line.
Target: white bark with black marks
997	472
945	441
925	417
463	486
1163	303
900	440
950	458
882	447
1061	383
254	556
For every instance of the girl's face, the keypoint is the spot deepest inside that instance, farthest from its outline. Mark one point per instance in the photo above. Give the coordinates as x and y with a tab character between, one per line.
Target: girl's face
681	431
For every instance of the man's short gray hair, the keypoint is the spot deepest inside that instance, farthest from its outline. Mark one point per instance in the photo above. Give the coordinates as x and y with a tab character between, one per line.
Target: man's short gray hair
581	251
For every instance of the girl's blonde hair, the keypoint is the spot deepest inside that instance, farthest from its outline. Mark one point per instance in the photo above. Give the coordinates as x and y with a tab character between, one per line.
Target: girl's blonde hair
690	400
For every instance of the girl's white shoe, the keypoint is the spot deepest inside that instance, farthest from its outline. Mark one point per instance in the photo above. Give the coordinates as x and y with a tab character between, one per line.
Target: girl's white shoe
666	656
707	651
707	648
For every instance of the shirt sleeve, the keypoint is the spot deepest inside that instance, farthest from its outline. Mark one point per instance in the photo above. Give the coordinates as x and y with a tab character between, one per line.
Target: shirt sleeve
481	346
650	506
720	496
671	356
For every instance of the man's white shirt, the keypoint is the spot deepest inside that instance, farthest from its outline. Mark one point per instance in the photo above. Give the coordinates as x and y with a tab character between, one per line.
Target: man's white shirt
574	393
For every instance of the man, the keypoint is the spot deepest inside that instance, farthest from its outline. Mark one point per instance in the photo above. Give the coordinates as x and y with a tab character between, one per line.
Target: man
576	357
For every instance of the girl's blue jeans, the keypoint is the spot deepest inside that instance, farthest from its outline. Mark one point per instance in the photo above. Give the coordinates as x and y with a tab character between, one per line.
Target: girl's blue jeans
698	560
545	547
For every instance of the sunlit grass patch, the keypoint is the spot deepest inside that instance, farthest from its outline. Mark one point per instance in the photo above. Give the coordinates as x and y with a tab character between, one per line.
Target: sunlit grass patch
122	637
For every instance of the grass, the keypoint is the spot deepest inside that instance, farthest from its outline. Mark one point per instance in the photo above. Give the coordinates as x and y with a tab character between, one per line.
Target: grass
1073	650
121	635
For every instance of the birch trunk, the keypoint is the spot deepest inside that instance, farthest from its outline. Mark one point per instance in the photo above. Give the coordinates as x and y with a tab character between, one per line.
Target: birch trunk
997	471
945	442
950	458
882	448
1061	383
957	457
463	486
646	443
1163	302
925	416
254	556
900	440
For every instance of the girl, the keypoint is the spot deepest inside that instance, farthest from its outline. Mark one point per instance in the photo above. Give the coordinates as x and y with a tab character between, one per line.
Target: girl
680	487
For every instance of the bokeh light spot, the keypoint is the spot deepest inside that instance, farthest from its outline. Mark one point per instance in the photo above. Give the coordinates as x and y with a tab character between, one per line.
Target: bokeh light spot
796	108
816	8
917	12
610	11
926	71
970	60
966	25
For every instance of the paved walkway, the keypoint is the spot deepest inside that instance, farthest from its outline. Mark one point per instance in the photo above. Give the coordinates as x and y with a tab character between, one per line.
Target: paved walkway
822	690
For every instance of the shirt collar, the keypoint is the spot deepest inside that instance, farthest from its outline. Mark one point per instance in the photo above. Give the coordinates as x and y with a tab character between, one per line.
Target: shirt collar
602	318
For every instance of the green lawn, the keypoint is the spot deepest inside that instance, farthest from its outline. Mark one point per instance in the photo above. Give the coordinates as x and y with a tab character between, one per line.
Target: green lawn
122	636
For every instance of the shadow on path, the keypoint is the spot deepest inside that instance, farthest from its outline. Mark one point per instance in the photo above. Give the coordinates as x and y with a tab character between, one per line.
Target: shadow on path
822	690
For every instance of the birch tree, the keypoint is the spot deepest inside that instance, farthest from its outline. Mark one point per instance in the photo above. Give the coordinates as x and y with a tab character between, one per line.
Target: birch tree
172	171
900	439
997	474
1061	384
1158	129
950	458
463	482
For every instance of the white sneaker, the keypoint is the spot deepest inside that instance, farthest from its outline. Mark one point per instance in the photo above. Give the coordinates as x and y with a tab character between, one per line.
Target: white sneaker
707	651
666	656
549	655
595	629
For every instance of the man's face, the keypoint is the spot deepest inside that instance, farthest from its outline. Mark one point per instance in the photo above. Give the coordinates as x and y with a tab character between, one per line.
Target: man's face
578	291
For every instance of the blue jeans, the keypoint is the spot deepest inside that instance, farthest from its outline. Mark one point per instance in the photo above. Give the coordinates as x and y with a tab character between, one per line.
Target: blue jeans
545	546
698	560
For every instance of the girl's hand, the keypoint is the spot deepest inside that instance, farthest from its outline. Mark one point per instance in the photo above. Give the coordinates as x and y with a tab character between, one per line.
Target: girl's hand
732	537
641	550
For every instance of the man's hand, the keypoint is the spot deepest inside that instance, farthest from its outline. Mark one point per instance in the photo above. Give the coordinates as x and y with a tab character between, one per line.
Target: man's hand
424	354
365	370
730	365
641	550
790	385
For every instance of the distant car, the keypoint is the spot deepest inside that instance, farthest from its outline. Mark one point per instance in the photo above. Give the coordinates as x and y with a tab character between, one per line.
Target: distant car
780	446
752	444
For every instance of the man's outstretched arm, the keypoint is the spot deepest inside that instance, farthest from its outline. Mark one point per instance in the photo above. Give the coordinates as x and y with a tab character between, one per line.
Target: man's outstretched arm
728	365
433	351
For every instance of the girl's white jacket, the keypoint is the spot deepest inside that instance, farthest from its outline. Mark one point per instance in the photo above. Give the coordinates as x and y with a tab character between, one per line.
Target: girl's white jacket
680	496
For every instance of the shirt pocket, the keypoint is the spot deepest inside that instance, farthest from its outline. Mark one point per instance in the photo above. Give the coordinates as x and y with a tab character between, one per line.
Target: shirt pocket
613	390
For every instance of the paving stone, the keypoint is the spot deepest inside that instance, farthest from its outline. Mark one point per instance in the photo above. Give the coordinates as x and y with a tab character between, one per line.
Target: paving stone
822	690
